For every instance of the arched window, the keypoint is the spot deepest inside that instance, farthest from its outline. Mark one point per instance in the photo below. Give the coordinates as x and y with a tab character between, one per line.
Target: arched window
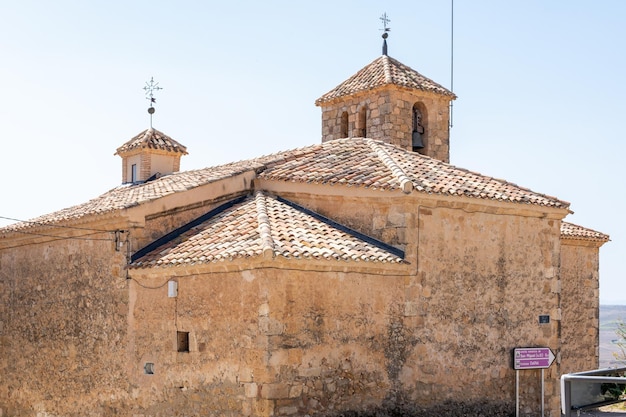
418	135
344	124
362	122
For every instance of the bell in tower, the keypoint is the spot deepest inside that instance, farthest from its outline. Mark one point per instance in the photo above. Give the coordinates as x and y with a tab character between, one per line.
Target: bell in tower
417	140
391	102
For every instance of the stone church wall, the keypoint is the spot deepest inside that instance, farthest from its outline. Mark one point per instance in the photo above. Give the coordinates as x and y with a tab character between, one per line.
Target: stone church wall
63	328
482	284
288	338
265	342
580	299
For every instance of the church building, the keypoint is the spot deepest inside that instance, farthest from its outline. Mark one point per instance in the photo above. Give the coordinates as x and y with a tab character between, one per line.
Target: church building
362	275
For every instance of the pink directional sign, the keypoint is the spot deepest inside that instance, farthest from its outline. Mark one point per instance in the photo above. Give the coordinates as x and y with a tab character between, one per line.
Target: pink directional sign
532	358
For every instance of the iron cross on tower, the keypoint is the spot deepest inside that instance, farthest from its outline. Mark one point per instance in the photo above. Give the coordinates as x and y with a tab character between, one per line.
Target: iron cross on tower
385	29
150	88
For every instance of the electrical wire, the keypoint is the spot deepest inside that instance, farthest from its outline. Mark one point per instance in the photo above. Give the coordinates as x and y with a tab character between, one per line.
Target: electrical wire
57	238
53	225
451	61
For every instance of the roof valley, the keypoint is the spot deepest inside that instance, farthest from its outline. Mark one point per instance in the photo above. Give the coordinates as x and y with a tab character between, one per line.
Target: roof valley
387	70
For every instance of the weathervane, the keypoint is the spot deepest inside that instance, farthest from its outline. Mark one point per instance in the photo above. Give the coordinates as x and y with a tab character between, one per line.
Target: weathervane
150	88
385	29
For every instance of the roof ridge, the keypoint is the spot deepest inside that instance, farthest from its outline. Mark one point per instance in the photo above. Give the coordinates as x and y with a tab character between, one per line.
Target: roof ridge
500	180
265	228
387	70
406	185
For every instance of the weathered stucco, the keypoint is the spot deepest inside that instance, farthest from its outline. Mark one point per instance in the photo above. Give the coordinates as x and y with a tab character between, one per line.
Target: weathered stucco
283	338
580	293
295	337
63	328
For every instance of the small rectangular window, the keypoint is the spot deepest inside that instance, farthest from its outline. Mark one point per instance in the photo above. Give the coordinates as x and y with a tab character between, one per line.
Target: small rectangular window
133	173
148	368
183	341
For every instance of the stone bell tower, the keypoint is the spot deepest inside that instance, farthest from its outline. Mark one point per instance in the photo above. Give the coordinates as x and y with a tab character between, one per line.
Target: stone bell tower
388	101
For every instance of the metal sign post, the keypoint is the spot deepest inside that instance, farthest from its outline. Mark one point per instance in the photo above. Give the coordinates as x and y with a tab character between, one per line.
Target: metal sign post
531	358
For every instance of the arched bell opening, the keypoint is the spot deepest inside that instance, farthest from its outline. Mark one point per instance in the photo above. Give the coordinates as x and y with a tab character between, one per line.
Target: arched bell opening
419	134
361	122
344	125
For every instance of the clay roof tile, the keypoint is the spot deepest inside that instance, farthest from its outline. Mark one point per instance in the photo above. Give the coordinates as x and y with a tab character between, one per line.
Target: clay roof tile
261	225
152	139
573	231
383	71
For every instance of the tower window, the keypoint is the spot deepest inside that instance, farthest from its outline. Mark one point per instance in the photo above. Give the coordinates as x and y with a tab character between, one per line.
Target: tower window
362	122
417	137
344	124
133	173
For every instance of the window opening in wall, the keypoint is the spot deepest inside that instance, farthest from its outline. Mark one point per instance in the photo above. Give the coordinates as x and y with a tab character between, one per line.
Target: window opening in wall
344	124
148	368
362	122
182	341
418	129
133	173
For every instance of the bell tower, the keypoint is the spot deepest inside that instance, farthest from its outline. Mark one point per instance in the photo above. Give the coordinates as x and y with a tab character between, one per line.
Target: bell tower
391	102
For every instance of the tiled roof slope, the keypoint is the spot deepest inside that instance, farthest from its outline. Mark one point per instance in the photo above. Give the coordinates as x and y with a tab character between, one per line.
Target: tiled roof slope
129	195
263	226
384	70
356	162
573	231
152	139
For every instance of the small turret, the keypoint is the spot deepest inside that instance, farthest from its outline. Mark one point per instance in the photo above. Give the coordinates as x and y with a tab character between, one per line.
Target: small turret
151	154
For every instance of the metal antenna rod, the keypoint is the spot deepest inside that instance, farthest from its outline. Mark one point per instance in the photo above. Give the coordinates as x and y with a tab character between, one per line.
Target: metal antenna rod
451	60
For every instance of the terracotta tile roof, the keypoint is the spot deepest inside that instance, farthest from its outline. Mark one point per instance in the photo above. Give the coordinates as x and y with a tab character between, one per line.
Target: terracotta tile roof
573	231
129	195
355	162
264	226
384	70
362	162
152	139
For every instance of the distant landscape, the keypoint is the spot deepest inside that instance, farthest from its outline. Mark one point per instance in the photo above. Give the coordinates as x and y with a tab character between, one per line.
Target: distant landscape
610	317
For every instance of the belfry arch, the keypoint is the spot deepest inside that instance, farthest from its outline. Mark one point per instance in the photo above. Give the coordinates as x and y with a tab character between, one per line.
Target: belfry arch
383	101
344	125
419	130
361	122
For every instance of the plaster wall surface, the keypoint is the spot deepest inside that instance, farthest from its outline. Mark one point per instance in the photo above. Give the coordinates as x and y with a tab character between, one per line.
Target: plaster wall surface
285	338
63	328
483	281
293	337
580	293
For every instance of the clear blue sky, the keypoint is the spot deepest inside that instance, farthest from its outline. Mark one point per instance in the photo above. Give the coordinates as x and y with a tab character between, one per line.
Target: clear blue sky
540	86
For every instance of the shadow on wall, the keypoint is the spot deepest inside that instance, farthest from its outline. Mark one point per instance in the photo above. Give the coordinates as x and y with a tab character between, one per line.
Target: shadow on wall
448	409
